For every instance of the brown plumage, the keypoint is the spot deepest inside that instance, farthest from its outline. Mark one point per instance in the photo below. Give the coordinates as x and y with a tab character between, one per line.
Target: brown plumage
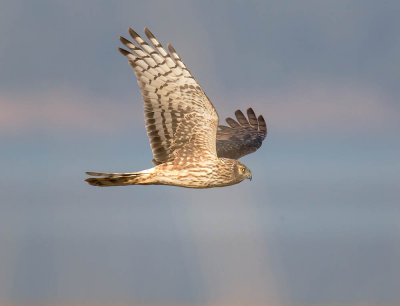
182	124
242	137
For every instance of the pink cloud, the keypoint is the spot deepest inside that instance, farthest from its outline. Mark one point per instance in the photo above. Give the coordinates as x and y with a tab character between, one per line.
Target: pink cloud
67	111
312	108
323	108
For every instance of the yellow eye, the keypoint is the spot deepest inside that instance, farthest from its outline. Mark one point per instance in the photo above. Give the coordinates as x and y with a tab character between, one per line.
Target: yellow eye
242	169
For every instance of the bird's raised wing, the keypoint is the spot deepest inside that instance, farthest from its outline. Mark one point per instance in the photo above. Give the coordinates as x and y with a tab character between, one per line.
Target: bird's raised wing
180	120
241	137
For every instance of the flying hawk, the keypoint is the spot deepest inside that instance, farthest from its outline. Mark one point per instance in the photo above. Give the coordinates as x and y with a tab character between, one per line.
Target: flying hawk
189	148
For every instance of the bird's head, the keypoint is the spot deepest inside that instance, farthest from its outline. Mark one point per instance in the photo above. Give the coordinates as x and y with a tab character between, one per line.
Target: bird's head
242	171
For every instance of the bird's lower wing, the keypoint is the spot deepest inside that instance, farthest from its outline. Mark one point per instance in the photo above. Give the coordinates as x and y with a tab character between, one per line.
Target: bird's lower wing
241	137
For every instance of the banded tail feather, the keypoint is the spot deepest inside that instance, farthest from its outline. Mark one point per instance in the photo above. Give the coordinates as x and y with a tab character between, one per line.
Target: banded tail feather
120	179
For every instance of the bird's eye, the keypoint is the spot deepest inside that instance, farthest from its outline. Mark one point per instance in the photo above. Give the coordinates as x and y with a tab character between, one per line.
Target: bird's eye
242	169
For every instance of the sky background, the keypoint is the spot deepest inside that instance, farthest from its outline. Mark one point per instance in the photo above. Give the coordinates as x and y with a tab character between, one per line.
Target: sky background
318	224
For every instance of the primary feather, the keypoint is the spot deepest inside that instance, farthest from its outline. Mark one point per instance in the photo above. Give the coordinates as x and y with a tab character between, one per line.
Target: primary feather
241	137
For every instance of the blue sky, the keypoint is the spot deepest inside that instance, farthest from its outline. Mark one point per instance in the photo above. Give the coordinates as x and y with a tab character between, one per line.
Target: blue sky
317	225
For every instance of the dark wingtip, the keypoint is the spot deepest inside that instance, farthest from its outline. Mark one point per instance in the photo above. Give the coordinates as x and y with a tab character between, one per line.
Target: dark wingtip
133	33
170	48
124	40
123	51
232	123
262	124
241	118
252	118
148	33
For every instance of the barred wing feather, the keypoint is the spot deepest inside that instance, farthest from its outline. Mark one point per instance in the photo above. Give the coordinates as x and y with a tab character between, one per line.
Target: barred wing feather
179	117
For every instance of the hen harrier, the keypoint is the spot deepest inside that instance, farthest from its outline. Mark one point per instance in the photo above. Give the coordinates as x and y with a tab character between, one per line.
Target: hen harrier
189	148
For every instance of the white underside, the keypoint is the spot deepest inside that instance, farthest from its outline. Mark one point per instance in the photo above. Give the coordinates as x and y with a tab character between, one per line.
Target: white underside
147	171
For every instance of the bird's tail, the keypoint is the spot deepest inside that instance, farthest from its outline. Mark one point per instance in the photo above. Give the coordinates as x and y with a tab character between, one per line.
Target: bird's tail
120	179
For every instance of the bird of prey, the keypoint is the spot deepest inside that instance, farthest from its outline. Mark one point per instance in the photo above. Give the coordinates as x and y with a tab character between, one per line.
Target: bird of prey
189	148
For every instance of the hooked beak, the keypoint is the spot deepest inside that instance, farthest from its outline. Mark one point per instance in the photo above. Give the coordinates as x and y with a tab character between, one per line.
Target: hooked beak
249	176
